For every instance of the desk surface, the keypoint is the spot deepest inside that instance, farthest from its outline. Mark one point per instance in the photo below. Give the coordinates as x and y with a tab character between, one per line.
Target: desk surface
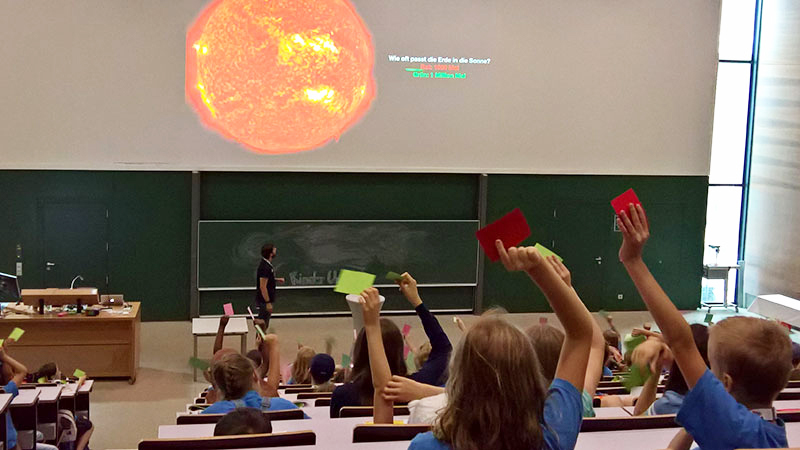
111	314
26	397
49	394
5	401
69	389
209	326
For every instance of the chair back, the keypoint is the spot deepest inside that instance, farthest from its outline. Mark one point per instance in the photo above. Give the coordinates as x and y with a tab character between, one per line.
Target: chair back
233	442
387	432
298	390
323	402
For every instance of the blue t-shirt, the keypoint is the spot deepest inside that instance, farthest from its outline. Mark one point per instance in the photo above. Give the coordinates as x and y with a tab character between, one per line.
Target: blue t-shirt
717	421
669	403
607	372
562	421
251	400
11	432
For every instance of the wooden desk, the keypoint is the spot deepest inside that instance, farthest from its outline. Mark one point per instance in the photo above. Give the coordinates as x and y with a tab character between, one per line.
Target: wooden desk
106	345
48	411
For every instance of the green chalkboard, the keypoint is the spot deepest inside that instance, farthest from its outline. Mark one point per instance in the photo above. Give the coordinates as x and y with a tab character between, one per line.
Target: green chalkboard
311	253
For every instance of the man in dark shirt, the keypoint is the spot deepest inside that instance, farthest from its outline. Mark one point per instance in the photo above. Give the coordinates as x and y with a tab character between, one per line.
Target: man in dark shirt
265	284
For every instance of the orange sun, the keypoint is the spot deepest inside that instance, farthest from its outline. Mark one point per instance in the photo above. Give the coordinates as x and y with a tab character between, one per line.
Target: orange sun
279	76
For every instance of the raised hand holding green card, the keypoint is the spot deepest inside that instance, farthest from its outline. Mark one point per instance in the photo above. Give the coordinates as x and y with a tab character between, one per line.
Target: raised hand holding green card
545	252
352	282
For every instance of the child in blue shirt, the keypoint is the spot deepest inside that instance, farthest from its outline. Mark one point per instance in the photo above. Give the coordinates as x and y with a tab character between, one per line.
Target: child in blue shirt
15	373
496	395
238	383
729	406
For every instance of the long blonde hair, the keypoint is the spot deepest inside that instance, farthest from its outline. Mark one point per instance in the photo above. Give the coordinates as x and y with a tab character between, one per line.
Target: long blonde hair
496	390
302	363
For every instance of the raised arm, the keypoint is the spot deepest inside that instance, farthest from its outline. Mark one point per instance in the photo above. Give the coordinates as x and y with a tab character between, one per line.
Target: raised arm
568	308
18	369
675	330
378	364
594	368
432	370
403	390
223	322
271	351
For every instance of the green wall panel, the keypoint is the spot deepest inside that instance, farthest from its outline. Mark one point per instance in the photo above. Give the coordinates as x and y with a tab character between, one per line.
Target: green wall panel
148	231
572	215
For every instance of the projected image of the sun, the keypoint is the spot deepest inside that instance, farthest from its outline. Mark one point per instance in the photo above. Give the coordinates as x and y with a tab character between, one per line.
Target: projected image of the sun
279	76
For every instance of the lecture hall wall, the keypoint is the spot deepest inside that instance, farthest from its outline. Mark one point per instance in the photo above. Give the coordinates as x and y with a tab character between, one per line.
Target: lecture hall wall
581	101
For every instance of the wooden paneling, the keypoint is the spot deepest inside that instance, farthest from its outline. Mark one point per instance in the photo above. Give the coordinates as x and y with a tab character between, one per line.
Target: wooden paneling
772	264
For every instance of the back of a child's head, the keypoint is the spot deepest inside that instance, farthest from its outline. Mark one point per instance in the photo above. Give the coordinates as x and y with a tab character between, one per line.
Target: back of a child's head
48	371
496	391
243	421
301	365
612	338
795	354
393	344
422	354
676	382
233	376
255	356
547	342
322	368
755	353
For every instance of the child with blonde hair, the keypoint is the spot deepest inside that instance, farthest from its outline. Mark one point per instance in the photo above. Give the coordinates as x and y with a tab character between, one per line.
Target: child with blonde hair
301	366
730	405
239	385
496	395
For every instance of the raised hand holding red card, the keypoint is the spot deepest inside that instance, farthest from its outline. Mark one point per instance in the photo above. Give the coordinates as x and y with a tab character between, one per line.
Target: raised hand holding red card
623	200
512	229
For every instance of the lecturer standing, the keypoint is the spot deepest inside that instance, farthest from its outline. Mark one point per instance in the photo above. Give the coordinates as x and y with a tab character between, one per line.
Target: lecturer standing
265	284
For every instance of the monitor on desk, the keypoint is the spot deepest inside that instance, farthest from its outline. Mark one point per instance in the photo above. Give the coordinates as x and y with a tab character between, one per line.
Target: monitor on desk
9	288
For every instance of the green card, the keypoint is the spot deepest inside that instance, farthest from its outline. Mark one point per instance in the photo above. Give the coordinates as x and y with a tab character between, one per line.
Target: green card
352	282
345	360
78	373
394	276
412	367
260	332
16	334
198	363
636	377
2	341
545	252
709	318
631	342
42	380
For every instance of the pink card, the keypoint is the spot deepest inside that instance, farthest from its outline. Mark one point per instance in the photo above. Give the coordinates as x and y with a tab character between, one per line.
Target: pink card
542	320
626	198
406	329
512	229
228	308
406	350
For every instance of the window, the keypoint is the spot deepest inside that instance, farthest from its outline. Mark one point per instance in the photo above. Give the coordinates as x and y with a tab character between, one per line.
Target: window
727	188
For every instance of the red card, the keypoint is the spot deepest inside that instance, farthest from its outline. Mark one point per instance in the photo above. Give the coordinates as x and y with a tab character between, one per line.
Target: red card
542	320
512	229
406	351
228	309
626	198
406	329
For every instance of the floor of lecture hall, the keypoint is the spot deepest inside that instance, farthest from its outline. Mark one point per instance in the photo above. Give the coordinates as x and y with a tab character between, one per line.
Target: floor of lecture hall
124	414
